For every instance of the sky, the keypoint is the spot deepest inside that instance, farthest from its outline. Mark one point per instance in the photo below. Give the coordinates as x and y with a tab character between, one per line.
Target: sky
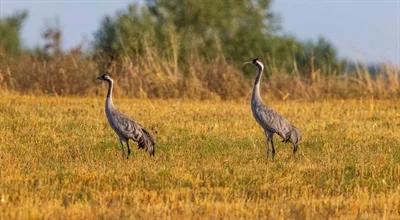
361	30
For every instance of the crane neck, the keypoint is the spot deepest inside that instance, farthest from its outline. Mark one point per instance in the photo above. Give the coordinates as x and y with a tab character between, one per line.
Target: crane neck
256	89
109	101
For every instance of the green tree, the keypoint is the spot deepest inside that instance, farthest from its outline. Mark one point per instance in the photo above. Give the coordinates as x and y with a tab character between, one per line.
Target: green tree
206	26
10	28
129	32
319	55
237	29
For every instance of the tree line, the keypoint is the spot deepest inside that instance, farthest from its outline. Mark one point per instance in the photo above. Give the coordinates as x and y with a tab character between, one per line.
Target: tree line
181	29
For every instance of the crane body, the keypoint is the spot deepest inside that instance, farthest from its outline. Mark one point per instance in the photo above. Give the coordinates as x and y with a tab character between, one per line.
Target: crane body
271	121
125	127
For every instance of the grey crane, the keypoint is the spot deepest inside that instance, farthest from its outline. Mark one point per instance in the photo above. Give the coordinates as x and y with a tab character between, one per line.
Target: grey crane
270	120
125	127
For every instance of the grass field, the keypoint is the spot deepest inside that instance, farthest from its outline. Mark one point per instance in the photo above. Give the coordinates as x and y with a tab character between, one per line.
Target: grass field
60	159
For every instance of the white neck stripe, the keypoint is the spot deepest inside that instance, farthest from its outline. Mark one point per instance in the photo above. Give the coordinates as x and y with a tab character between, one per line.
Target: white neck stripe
259	63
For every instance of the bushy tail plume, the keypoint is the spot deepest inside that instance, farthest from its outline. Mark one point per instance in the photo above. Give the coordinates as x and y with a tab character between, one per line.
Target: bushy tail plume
295	136
146	141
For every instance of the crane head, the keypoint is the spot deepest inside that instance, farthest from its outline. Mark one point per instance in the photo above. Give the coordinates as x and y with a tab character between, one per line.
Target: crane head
254	61
104	77
257	62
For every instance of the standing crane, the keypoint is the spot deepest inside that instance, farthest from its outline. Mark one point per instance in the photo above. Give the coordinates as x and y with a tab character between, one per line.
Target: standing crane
270	120
126	128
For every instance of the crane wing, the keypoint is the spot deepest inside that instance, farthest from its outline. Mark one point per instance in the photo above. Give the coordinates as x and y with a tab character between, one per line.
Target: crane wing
274	121
135	131
127	127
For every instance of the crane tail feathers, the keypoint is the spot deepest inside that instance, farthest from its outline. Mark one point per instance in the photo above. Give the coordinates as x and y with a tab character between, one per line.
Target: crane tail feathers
147	142
295	136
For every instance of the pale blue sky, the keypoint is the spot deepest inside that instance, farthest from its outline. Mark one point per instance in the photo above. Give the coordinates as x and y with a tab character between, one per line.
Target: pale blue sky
366	30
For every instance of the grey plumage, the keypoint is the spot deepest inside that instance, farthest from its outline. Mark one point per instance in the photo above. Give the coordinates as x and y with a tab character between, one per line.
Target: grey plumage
270	120
125	127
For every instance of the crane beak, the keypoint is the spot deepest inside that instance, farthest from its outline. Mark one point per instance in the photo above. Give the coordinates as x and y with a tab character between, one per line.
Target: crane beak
98	78
245	63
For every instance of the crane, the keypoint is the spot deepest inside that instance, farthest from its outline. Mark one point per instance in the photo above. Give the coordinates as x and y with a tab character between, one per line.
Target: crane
125	127
271	121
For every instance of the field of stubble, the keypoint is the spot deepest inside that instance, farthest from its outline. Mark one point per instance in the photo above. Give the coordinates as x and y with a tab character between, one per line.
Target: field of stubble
60	159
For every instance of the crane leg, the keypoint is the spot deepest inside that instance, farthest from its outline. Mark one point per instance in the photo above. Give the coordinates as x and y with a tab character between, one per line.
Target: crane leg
122	147
129	149
270	144
267	147
295	147
273	148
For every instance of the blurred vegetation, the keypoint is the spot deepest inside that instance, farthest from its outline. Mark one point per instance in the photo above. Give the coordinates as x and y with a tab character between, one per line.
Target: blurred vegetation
10	28
187	48
238	29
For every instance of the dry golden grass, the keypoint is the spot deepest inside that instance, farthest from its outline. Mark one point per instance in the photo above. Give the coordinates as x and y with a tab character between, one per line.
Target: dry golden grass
60	159
152	76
